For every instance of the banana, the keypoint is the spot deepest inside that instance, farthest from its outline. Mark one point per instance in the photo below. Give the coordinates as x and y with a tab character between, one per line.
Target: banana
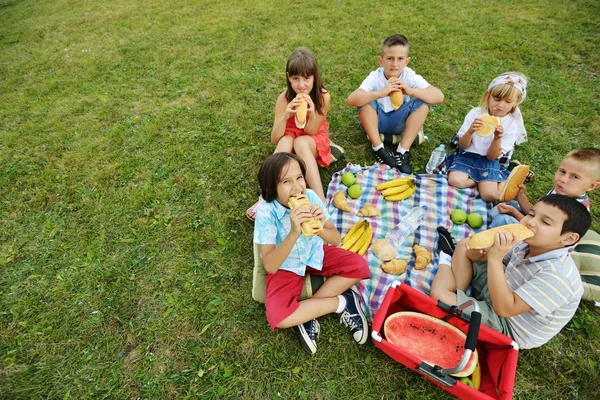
401	196
354	238
354	228
364	237
367	243
394	182
397	189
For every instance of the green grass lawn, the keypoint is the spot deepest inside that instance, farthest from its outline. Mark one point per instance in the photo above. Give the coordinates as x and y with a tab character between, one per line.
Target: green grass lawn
130	138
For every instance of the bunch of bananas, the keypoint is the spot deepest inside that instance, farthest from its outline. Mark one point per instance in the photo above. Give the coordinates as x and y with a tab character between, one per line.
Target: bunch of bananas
398	189
358	237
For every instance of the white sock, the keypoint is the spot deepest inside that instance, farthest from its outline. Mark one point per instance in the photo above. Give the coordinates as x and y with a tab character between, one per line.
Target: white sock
341	304
445	258
401	150
375	148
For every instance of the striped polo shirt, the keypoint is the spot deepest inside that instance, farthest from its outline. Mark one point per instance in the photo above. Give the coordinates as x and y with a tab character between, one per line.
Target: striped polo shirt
550	284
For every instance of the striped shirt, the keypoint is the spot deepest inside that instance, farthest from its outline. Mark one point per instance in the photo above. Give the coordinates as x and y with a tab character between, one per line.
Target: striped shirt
550	284
583	199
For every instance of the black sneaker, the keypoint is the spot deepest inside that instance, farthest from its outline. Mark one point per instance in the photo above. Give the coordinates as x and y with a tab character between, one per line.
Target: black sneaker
403	162
307	333
354	318
337	151
383	155
445	242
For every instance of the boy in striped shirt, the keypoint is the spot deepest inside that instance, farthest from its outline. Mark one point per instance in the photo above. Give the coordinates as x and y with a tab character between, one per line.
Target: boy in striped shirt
527	290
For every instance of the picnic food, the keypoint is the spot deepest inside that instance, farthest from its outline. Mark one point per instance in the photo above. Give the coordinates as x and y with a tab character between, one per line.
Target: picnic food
301	111
358	237
311	227
475	220
369	210
422	257
395	266
399	193
397	97
355	191
489	125
348	179
430	339
485	239
476	377
511	186
340	201
394	182
458	216
383	250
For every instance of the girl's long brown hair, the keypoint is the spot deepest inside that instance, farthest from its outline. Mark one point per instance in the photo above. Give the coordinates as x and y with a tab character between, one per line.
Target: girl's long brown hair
302	62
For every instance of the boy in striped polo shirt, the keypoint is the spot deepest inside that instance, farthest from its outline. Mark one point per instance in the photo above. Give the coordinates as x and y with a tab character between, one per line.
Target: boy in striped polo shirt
527	290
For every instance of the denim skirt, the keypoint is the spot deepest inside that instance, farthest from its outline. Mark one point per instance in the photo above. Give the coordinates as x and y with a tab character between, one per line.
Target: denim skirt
478	167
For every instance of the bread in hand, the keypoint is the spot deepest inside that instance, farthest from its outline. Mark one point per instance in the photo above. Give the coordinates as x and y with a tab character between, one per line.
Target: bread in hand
311	227
511	186
489	125
397	97
301	111
485	239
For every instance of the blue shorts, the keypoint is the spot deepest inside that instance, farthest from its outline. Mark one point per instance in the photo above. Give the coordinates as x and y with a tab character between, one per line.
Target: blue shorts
394	122
503	219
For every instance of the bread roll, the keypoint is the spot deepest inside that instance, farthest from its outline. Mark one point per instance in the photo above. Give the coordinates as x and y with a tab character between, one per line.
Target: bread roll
485	239
383	250
311	227
489	125
511	186
301	111
397	97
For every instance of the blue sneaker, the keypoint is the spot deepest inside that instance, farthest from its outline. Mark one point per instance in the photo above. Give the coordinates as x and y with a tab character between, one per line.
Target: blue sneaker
307	333
354	318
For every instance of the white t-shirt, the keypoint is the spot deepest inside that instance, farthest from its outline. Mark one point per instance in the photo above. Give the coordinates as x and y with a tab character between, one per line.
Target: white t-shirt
514	132
377	81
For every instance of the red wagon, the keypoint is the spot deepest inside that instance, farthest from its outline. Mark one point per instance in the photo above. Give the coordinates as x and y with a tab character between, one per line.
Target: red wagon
498	353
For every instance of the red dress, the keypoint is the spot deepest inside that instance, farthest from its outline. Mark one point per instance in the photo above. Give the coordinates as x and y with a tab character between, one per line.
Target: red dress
321	139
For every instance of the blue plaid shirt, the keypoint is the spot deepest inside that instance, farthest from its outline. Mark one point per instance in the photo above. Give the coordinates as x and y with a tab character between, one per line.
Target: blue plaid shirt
272	225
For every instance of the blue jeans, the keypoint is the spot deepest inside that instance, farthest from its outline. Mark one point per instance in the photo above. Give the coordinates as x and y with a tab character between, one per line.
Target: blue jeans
503	219
394	122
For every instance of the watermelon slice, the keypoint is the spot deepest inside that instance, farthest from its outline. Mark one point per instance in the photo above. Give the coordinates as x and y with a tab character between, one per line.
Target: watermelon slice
430	339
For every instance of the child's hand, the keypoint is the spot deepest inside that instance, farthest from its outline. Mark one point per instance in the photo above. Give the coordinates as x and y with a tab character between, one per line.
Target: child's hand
503	243
317	213
297	216
499	132
291	108
476	124
504	208
392	85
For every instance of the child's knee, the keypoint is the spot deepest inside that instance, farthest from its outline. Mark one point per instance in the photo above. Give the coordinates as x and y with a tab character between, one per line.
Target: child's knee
457	180
488	196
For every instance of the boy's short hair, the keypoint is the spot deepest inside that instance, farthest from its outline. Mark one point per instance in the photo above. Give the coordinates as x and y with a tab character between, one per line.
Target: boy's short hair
578	219
394	40
270	171
589	156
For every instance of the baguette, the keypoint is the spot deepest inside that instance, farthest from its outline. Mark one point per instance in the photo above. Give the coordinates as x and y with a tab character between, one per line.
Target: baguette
397	97
511	186
489	125
485	239
311	227
301	111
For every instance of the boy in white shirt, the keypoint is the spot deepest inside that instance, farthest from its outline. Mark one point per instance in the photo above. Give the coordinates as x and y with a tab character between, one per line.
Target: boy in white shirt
376	112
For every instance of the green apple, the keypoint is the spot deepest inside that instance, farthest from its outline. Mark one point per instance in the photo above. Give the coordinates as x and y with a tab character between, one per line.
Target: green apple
458	216
467	381
475	220
348	179
355	191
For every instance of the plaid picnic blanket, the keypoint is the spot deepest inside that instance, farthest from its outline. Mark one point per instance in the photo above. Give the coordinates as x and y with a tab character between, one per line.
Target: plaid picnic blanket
433	191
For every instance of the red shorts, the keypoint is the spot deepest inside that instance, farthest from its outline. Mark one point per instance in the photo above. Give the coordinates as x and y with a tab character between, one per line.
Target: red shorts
284	287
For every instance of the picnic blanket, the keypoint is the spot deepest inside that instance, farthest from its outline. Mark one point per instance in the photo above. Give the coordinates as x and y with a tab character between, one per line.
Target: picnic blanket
434	192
